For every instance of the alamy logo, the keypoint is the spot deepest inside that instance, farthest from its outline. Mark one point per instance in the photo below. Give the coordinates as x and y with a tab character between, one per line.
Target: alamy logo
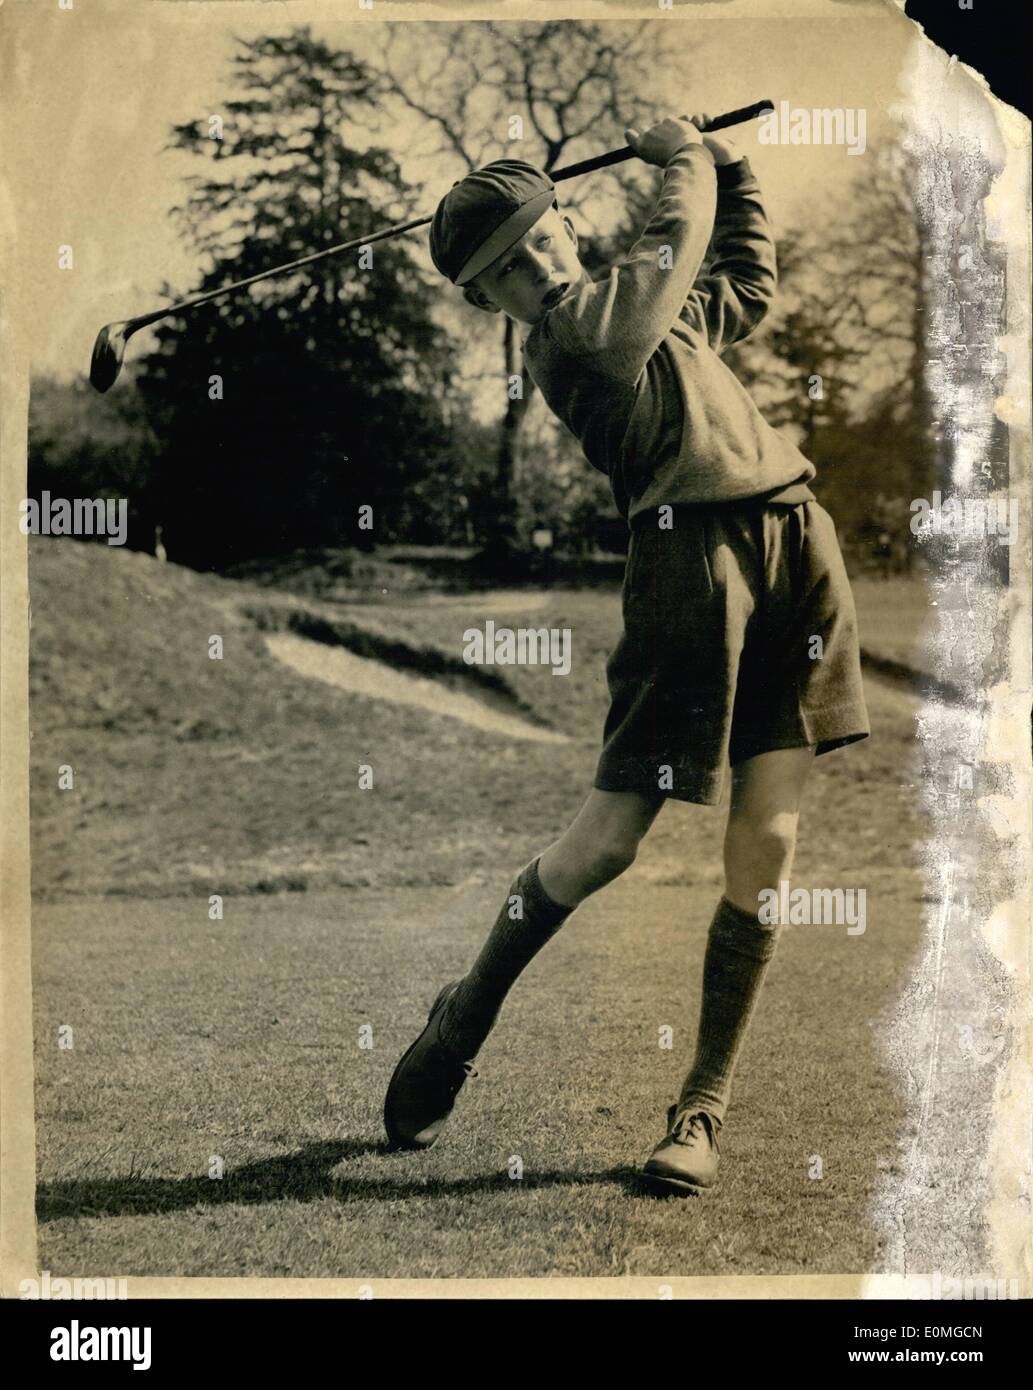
46	1288
971	516
828	125
981	1287
82	516
814	907
78	1343
526	646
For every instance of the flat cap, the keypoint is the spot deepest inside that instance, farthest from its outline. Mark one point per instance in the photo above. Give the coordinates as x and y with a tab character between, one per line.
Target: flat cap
484	214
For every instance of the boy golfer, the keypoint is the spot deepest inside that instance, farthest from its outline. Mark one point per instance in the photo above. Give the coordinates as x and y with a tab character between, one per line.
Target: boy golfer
733	571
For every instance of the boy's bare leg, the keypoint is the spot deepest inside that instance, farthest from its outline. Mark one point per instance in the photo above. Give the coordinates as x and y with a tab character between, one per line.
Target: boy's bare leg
599	845
759	844
760	838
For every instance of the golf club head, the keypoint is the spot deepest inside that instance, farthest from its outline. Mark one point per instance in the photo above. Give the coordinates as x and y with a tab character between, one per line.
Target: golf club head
108	351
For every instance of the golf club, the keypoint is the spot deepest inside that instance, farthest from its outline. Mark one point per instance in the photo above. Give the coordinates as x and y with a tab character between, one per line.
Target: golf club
109	349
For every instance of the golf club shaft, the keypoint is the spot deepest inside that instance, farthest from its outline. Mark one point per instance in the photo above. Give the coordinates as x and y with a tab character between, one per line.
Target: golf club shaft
586	166
145	319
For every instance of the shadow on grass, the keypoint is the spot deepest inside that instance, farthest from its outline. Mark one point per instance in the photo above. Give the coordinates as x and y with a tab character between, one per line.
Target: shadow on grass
304	1176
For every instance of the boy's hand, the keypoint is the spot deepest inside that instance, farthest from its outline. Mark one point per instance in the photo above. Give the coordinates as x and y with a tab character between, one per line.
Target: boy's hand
723	150
661	142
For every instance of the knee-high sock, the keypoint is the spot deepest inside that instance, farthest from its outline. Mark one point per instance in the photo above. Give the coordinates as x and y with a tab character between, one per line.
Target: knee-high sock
737	954
527	920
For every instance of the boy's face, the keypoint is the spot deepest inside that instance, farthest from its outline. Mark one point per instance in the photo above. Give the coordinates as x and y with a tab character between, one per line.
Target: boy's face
534	275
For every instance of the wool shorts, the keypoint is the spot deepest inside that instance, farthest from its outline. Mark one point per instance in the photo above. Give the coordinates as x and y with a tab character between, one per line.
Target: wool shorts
740	637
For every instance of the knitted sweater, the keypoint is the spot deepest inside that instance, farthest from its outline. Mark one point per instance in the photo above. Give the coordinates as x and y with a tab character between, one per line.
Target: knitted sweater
631	363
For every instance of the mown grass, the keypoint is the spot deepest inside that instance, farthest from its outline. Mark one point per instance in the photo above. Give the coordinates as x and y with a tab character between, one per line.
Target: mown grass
240	1038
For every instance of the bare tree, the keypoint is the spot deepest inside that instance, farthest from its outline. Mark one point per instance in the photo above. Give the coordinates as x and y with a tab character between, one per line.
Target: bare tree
851	311
549	93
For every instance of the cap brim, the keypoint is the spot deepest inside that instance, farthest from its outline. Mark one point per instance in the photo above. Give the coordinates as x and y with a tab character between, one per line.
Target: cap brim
510	232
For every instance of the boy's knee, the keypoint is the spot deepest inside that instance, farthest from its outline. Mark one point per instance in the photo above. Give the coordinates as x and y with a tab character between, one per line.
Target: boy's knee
766	845
612	856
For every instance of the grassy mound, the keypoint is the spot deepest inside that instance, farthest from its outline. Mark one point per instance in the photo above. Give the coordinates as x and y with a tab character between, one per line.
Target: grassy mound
194	775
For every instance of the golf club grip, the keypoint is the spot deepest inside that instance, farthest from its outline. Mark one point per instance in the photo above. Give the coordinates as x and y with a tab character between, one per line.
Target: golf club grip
604	161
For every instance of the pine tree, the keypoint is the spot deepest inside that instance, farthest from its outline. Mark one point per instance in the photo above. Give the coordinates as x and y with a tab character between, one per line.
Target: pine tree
288	407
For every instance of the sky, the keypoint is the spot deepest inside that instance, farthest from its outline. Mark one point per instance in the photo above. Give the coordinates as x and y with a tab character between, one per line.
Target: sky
92	93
